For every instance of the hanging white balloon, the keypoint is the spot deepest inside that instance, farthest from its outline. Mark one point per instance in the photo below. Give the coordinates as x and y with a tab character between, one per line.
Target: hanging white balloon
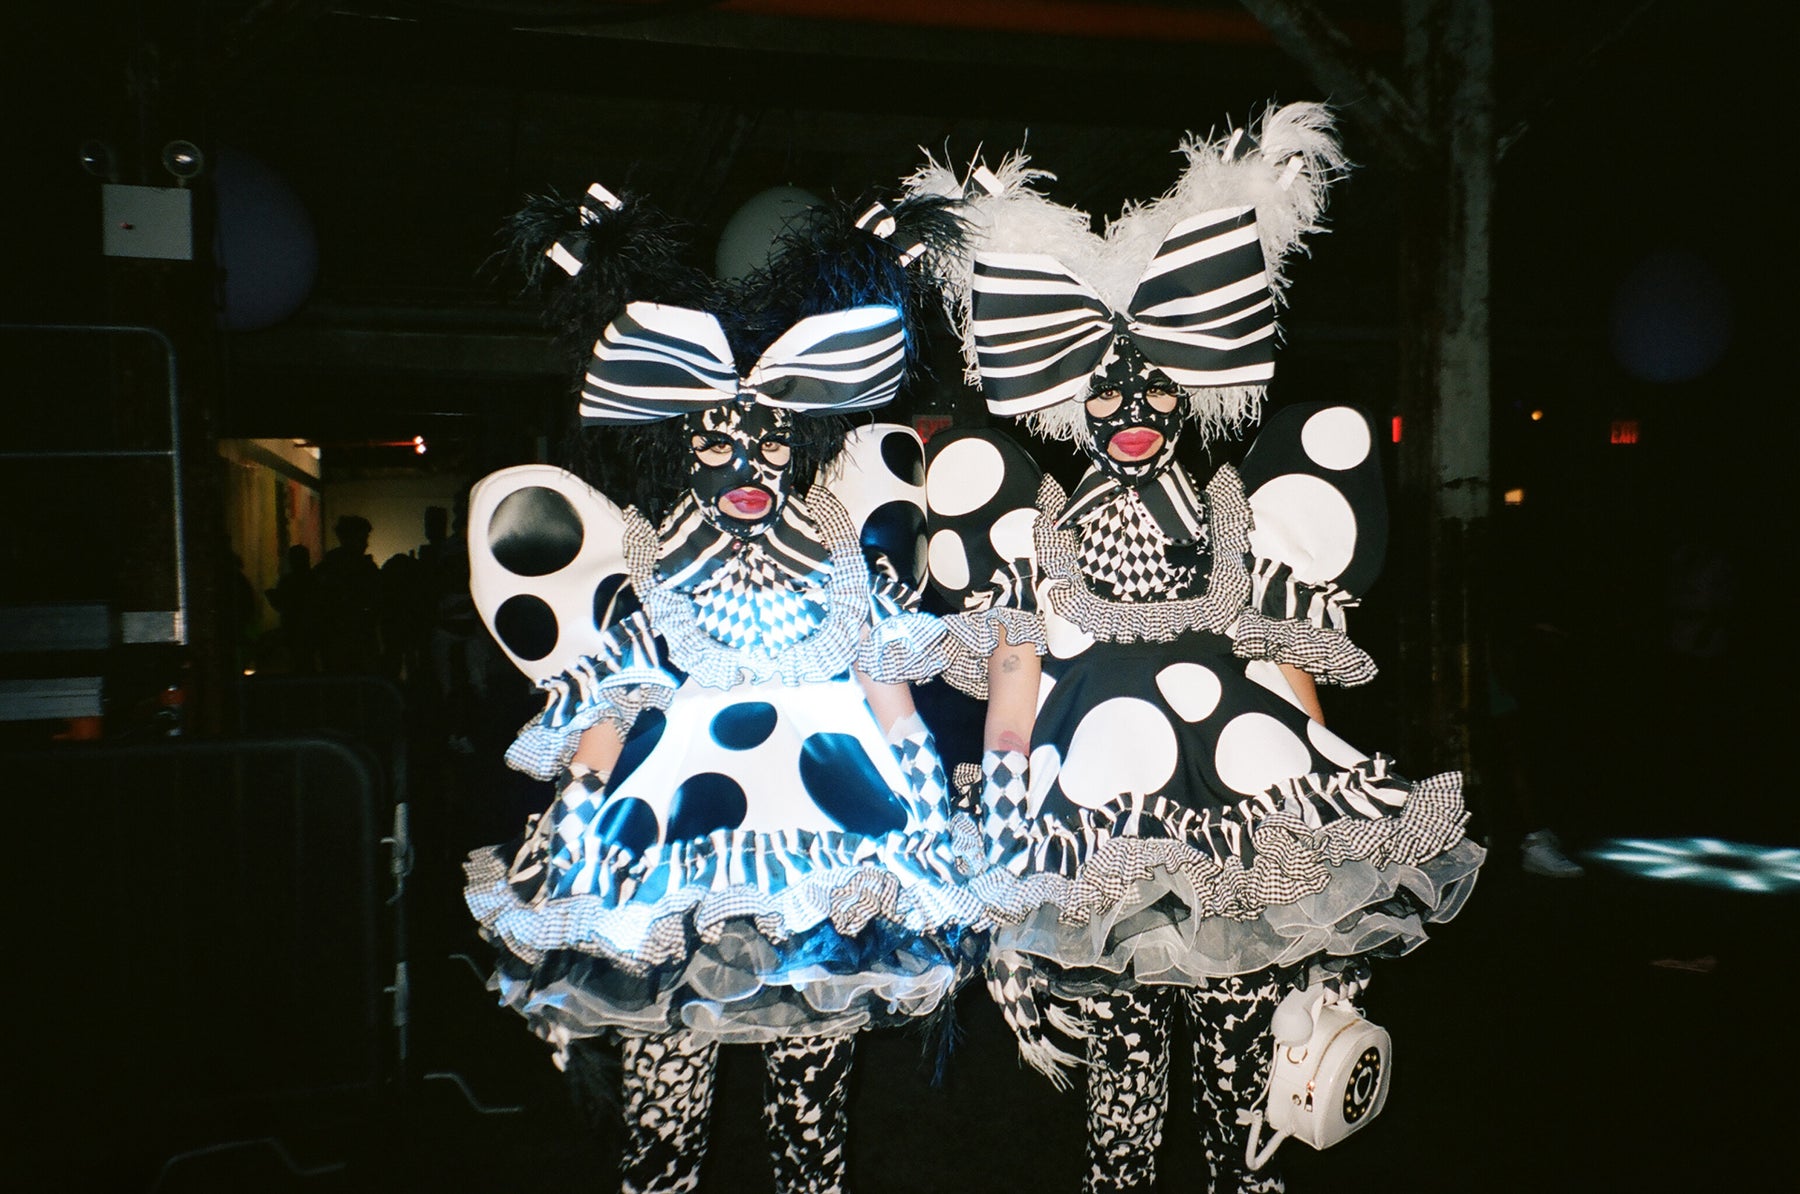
751	231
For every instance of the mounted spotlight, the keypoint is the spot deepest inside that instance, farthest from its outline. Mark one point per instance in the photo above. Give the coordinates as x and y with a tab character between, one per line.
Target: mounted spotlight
183	160
98	159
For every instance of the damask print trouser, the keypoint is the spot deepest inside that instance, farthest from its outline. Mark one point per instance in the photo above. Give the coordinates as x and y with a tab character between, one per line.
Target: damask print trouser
667	1105
1128	1079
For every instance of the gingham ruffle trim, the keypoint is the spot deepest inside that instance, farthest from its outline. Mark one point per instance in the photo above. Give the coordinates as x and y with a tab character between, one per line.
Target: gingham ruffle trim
1263	852
904	646
648	904
1322	652
971	638
1227	588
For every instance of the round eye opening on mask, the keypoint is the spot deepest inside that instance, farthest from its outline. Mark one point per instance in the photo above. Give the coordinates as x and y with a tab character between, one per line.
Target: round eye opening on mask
1164	401
777	451
1104	404
713	450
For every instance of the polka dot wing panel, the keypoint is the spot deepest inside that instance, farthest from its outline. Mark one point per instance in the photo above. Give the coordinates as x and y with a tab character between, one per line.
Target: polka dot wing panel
981	490
880	480
1316	495
1145	718
546	566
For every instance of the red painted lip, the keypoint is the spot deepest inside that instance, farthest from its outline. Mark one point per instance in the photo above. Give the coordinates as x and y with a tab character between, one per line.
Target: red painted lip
746	501
1134	443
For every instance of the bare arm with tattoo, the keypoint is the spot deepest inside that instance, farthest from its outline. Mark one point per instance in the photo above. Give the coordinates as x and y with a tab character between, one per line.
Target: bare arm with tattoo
1013	673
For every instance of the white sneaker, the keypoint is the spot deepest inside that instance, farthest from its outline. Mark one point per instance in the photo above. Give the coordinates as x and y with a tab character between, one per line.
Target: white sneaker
1541	853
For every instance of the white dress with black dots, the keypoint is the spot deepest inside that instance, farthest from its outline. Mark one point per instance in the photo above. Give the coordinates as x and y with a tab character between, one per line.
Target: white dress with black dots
763	862
1182	818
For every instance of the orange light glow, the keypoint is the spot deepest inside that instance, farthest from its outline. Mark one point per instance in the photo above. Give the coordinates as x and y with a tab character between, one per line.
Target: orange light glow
1396	430
1624	431
1514	497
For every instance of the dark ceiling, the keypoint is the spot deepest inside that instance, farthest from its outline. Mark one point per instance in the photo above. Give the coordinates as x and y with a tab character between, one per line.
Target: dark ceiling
409	130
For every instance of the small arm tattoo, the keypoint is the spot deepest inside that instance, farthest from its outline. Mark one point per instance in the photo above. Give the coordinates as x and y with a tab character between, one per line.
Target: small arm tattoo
1010	664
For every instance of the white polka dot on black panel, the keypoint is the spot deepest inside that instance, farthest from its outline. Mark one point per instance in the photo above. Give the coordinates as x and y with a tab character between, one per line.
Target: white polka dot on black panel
1257	751
1125	744
1317	497
949	562
981	495
1191	689
843	782
534	532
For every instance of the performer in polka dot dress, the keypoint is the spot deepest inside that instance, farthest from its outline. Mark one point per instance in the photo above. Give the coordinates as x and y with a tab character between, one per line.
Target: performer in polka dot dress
1188	832
751	839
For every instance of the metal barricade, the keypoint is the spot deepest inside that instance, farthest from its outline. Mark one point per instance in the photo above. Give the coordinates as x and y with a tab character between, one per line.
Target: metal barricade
205	949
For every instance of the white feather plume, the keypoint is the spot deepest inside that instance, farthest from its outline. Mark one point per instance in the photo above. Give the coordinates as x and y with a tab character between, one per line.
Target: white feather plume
1283	167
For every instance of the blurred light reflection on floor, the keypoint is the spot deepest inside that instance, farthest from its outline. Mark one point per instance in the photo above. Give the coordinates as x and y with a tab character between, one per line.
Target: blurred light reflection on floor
1734	866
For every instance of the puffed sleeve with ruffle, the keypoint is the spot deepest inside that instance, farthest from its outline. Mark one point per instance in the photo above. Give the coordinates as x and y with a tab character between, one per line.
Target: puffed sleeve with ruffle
981	514
1318	538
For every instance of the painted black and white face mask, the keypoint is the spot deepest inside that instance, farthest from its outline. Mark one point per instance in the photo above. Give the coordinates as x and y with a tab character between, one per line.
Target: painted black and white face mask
738	469
1134	415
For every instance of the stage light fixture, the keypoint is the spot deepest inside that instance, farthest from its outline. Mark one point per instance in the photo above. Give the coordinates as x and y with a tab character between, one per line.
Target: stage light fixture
99	160
183	160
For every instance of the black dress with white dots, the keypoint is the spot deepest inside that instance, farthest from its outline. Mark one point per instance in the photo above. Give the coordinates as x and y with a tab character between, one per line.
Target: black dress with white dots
1182	818
762	862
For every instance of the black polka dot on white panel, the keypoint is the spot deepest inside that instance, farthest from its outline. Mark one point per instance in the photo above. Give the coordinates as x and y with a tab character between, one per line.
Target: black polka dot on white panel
897	530
614	599
904	456
704	803
879	481
744	726
627	822
646	732
526	626
981	499
1317	498
534	531
843	782
548	550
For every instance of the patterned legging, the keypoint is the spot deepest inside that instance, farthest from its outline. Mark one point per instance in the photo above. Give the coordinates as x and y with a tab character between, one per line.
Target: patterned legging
1128	1079
667	1106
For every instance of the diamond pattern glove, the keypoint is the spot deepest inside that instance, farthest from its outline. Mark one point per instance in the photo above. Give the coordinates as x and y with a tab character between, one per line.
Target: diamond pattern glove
552	856
1022	993
1003	817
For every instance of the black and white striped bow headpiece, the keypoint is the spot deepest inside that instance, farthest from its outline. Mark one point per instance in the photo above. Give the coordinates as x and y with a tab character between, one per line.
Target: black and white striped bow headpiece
1192	278
657	362
1203	313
